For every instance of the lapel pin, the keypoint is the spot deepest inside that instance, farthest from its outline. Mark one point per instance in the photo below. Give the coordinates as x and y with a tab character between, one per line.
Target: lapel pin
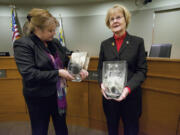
112	43
127	42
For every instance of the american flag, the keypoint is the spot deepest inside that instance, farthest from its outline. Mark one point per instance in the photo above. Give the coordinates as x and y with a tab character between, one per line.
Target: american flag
61	34
15	32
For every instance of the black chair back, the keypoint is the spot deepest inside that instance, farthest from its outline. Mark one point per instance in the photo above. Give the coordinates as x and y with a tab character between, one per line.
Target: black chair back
160	50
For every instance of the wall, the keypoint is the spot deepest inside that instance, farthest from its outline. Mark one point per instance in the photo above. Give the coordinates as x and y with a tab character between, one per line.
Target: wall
166	29
142	25
84	26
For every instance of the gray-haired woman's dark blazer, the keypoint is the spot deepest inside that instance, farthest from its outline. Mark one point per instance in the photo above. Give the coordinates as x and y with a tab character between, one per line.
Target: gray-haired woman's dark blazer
133	51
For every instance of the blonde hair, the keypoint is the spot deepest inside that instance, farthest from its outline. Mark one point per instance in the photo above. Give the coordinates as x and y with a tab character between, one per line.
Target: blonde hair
39	18
120	8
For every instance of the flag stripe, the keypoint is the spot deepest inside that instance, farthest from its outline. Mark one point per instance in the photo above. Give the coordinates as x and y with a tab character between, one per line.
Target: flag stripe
15	31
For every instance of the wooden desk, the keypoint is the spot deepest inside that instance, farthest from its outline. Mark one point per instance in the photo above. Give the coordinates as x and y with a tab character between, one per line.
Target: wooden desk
161	98
12	105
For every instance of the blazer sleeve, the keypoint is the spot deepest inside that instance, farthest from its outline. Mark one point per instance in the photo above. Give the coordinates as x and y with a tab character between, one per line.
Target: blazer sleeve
140	69
100	64
25	60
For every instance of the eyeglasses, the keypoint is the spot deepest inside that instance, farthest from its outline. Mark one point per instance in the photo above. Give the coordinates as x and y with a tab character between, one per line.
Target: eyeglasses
115	18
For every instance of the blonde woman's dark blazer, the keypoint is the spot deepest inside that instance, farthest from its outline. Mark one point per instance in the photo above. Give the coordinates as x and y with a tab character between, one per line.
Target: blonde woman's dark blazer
36	68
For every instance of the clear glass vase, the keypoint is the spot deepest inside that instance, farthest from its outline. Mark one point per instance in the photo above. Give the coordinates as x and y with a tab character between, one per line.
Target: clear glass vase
114	77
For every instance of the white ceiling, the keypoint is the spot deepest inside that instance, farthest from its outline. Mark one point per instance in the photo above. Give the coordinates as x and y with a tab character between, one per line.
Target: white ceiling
51	2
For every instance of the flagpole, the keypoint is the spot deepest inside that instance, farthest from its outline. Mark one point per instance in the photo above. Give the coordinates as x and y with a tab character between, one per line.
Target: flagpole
61	32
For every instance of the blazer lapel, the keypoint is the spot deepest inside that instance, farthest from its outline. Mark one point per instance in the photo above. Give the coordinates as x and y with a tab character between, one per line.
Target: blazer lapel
125	44
37	41
41	45
113	46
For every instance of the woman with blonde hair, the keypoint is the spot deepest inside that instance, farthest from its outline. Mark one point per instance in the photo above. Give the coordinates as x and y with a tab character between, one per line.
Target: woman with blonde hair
42	62
129	48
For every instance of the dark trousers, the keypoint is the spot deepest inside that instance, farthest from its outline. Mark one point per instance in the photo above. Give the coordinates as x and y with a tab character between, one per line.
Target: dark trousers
40	109
126	110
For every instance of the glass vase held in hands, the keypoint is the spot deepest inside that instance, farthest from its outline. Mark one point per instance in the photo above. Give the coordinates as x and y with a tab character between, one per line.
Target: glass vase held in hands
78	61
114	77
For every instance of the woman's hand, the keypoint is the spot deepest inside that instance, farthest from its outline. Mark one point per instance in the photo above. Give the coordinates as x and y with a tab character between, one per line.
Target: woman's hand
65	74
103	91
84	74
123	95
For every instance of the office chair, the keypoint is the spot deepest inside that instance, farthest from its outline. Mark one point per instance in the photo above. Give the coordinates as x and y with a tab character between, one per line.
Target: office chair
160	50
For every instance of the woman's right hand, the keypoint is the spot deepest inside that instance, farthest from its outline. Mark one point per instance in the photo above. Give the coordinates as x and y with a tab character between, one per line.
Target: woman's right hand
65	74
103	91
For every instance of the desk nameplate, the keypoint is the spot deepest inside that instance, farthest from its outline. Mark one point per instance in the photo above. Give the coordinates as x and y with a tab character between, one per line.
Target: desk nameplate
2	73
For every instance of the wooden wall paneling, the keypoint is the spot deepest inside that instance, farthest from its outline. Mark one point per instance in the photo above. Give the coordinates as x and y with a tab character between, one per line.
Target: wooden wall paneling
11	84
77	99
12	103
7	63
178	127
11	96
13	74
160	113
16	116
93	64
96	113
164	67
162	84
161	98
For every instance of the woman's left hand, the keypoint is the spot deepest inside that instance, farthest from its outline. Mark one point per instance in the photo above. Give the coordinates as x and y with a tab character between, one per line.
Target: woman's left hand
123	95
84	74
